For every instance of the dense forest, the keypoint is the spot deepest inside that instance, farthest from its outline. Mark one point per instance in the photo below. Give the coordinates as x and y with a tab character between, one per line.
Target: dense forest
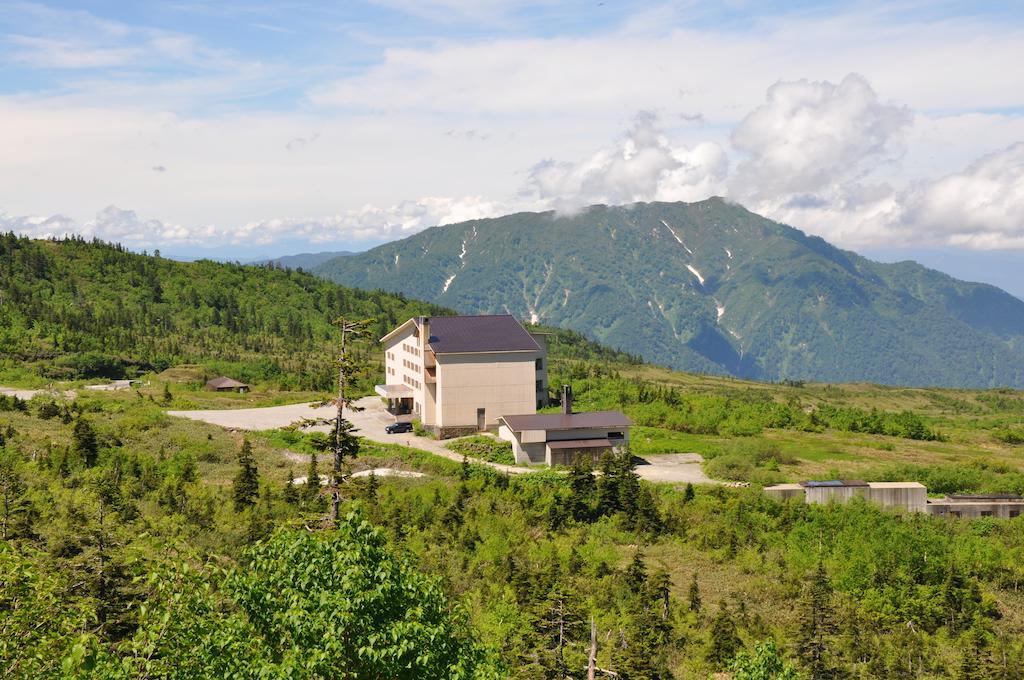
74	309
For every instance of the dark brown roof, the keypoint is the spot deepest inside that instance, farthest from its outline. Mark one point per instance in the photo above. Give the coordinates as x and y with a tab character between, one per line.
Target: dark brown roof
499	333
575	421
224	381
581	444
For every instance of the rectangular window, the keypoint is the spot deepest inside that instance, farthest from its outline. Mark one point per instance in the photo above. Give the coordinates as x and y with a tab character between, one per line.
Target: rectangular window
540	364
615	435
540	385
1014	513
986	513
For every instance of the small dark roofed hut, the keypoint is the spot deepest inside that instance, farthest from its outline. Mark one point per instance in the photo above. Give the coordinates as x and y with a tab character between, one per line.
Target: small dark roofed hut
226	384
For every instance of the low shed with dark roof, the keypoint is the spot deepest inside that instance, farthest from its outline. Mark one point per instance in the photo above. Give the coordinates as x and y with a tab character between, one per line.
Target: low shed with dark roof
559	438
226	384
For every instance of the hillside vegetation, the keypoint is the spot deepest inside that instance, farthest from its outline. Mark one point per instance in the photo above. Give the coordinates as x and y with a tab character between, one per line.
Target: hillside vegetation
73	309
138	545
134	544
710	287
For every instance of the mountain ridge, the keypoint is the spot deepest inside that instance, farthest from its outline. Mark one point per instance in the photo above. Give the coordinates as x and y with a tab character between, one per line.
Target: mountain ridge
711	287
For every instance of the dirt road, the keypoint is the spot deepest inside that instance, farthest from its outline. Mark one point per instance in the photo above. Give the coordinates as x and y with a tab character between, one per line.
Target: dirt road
667	468
28	394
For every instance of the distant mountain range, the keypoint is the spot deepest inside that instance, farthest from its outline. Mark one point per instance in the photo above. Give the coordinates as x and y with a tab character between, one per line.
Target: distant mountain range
306	261
711	287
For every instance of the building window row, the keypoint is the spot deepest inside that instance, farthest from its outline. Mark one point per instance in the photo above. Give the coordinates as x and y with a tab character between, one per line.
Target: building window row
411	349
411	382
411	366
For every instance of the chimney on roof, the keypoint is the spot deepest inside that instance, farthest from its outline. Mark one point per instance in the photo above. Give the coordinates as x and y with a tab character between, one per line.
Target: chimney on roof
425	331
567	399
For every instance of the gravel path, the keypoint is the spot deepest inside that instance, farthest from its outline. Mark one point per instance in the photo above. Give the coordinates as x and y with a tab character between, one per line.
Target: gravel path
28	394
677	468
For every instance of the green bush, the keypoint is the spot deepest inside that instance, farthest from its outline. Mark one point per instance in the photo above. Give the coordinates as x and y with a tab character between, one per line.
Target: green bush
1012	436
484	448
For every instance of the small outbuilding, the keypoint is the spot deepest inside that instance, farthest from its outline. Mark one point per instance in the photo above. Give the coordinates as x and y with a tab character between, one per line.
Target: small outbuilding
559	438
1004	506
226	384
908	496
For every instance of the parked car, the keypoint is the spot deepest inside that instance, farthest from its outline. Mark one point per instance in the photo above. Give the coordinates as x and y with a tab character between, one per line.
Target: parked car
395	428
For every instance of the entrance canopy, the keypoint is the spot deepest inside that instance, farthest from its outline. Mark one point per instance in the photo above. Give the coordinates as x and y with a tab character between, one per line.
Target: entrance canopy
394	391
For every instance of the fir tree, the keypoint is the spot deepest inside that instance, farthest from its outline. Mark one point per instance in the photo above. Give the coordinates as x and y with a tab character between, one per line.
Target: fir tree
817	627
83	442
581	489
291	491
168	397
312	480
372	485
247	481
694	595
725	641
636	573
14	503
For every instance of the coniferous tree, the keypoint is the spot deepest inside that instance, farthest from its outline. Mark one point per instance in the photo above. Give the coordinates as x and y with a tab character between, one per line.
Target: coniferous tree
291	491
372	485
581	489
247	481
83	441
694	595
688	494
817	627
636	573
14	503
312	480
724	641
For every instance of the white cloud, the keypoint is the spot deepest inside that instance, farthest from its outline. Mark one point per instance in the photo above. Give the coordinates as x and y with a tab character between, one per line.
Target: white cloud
51	53
981	207
808	136
369	224
641	166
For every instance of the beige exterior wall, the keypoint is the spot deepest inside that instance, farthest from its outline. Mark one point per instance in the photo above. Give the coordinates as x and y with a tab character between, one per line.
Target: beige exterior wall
530	446
403	355
910	497
526	452
448	389
503	384
976	509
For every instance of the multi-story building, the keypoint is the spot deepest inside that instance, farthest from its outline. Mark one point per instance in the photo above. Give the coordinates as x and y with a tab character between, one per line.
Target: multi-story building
458	374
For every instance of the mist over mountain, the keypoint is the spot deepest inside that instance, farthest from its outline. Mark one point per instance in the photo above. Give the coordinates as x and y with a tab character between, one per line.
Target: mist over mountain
711	287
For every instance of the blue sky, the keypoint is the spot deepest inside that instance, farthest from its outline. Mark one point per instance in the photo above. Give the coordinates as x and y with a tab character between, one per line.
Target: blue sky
242	129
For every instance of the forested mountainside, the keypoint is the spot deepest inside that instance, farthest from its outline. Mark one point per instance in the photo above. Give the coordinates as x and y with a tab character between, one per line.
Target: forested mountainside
76	309
711	287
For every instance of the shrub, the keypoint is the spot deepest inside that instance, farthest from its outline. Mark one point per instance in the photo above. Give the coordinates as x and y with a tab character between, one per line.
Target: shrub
484	448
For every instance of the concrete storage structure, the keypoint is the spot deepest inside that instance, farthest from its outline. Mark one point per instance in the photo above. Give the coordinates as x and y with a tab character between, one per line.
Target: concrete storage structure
908	496
1003	506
